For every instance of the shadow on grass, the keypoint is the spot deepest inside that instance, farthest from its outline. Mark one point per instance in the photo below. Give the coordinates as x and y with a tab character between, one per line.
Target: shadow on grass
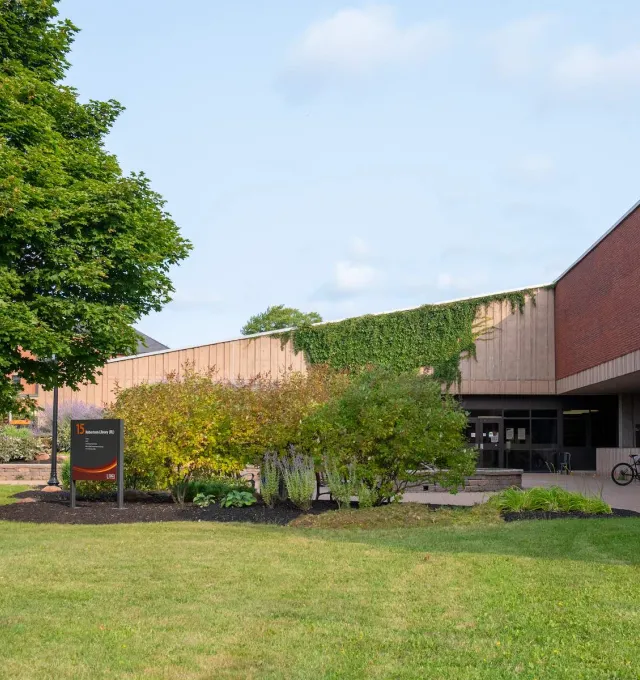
608	541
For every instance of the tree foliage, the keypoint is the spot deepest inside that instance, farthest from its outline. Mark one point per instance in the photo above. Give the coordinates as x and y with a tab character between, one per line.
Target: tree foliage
85	251
279	317
386	428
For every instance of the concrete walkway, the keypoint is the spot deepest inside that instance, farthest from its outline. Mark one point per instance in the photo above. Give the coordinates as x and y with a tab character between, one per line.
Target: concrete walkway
622	497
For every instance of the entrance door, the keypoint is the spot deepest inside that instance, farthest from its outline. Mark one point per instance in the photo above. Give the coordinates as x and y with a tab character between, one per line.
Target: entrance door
490	440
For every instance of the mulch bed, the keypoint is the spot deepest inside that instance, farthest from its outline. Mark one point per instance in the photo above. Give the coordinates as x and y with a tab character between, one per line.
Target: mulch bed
53	508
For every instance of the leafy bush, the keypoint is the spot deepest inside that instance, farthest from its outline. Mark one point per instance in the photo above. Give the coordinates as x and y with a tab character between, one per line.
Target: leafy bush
17	444
237	499
270	479
177	429
299	475
66	413
266	412
551	499
203	500
389	426
340	483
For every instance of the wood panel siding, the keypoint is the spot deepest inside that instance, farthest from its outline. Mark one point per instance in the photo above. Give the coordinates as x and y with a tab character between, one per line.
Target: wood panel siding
229	361
515	357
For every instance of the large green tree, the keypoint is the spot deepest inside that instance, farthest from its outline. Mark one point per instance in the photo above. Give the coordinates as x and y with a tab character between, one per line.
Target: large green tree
277	317
84	250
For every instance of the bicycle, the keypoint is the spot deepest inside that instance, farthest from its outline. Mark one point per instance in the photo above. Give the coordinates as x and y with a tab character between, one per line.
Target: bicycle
624	473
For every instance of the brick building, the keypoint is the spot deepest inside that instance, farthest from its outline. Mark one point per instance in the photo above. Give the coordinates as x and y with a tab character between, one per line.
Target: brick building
561	377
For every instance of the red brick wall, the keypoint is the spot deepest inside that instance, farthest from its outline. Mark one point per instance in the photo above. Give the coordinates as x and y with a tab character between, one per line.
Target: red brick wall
597	306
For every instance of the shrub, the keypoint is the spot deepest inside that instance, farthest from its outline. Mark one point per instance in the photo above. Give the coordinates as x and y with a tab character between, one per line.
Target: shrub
270	479
177	429
266	411
390	426
237	499
17	444
66	413
551	499
299	475
340	484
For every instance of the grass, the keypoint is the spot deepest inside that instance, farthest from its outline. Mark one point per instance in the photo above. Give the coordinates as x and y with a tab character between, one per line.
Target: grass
8	491
401	516
550	499
203	600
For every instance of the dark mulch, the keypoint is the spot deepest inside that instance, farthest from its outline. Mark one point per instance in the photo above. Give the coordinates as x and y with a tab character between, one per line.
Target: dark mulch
534	514
53	508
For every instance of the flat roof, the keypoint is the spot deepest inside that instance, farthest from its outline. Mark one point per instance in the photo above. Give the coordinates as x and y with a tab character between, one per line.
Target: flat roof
322	323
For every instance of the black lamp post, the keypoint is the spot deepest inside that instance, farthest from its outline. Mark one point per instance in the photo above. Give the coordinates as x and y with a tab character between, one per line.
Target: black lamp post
53	479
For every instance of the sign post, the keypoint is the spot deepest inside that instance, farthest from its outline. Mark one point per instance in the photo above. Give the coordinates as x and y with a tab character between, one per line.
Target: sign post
97	454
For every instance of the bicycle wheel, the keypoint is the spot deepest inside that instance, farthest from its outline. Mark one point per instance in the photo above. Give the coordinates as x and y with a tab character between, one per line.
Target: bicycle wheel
622	474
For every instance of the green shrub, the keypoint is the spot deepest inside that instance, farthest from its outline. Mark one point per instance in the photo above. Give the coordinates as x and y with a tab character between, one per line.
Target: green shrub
299	475
177	428
551	499
340	485
237	499
390	427
270	479
17	444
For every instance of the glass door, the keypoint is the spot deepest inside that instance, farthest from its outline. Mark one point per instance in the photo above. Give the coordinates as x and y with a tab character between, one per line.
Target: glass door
490	440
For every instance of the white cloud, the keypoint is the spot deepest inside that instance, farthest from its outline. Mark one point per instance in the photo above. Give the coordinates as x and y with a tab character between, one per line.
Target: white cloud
357	41
519	47
586	66
353	277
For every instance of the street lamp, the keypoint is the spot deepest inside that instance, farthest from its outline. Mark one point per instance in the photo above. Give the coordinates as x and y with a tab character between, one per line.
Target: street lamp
53	479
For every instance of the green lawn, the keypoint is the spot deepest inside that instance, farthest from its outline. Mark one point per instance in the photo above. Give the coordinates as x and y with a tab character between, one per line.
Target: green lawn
524	600
7	491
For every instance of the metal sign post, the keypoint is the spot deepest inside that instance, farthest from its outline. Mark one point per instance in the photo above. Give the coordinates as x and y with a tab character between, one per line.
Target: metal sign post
97	454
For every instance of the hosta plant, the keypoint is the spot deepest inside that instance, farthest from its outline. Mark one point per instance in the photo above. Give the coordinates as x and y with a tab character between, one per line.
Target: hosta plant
237	499
204	500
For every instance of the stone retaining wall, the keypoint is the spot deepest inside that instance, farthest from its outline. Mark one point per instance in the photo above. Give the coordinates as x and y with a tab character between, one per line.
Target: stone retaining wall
37	473
488	479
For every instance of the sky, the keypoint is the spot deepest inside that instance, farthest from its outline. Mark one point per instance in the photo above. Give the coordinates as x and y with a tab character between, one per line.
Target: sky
356	158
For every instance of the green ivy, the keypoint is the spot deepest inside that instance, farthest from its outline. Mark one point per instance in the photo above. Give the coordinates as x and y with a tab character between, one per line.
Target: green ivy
432	335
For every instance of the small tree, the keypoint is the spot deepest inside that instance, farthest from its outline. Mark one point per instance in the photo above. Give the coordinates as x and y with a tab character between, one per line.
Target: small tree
385	428
175	429
278	317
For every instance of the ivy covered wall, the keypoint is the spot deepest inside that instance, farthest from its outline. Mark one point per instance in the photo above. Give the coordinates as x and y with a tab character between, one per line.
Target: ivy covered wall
436	336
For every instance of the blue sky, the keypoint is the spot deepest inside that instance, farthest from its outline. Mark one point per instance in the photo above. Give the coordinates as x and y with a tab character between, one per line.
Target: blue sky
353	158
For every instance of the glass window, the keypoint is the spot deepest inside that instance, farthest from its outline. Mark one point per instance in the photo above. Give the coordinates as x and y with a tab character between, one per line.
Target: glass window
575	430
544	413
517	414
485	413
544	431
517	432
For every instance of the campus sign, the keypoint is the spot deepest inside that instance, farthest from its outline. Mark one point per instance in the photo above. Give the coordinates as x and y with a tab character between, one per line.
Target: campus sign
97	448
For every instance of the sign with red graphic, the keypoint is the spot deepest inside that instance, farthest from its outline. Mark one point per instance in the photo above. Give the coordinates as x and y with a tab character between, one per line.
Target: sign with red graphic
96	449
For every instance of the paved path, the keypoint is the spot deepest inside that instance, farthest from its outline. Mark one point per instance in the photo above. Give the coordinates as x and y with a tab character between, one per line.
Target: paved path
623	497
